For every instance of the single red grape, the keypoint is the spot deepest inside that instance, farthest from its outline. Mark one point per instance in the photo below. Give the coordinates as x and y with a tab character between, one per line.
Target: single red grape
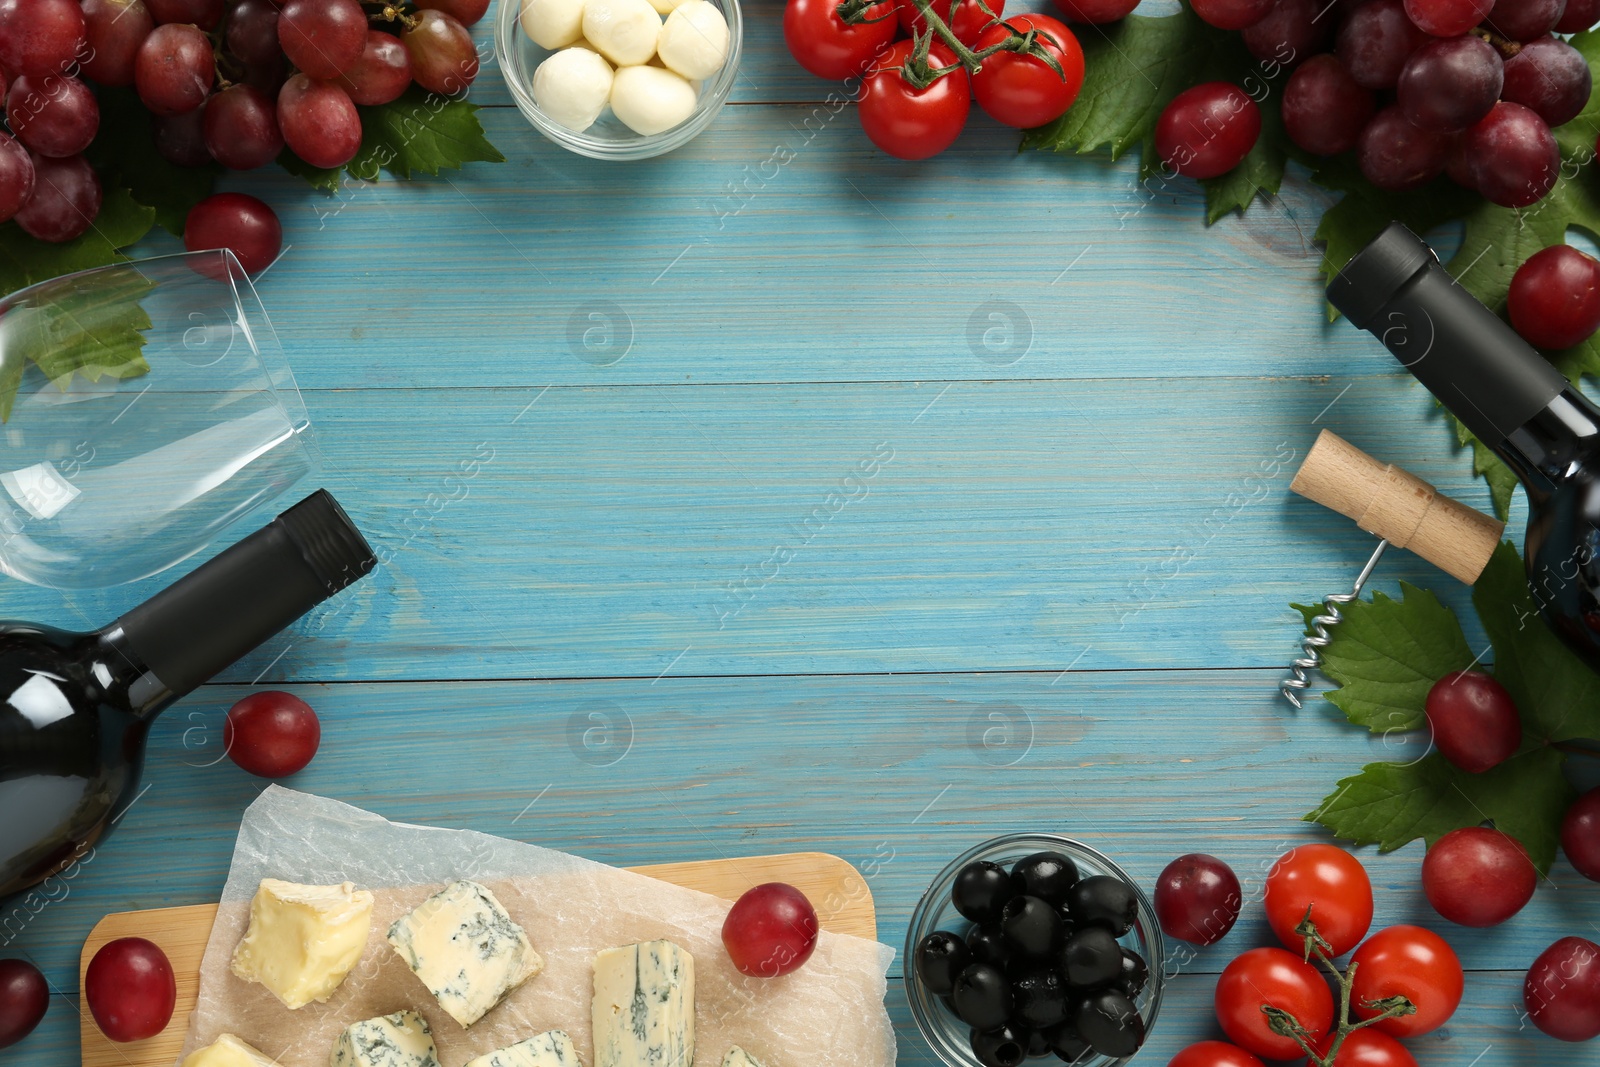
1551	77
1524	20
1232	14
468	12
1580	835
252	34
41	37
131	989
1474	720
1578	16
382	73
24	999
202	13
323	38
270	734
1395	155
1447	18
174	69
1324	110
1554	302
65	202
1375	40
181	139
1198	899
1450	84
241	128
443	58
319	122
54	116
1514	157
16	177
1476	876
771	930
116	29
1562	990
1095	12
1207	130
1293	31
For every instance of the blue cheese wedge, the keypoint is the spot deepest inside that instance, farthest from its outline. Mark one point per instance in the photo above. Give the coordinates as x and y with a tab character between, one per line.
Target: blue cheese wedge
644	1006
551	1049
466	949
303	939
228	1051
738	1057
399	1040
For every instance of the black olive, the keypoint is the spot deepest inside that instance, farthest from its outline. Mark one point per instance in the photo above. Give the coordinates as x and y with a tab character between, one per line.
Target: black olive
1064	1041
981	889
940	957
982	996
1005	1046
1135	973
988	945
1104	901
1039	998
1092	958
1032	928
1111	1024
1038	1044
1046	875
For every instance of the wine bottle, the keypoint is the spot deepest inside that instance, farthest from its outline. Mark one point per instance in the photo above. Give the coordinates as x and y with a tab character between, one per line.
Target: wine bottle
75	708
1511	398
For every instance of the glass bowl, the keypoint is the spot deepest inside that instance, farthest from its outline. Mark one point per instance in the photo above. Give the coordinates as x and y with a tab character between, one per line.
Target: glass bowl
608	138
947	1035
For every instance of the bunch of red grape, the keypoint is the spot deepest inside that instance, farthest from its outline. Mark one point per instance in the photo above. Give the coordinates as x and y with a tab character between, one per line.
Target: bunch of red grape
227	80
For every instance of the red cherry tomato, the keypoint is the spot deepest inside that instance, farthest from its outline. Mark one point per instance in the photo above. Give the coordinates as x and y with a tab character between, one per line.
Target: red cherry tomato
1329	881
24	999
1095	11
130	989
1021	90
271	734
967	22
829	47
1410	962
1271	976
770	931
913	123
1215	1054
1369	1048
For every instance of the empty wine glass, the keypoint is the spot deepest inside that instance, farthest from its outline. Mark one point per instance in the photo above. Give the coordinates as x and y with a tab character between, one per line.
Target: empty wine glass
144	408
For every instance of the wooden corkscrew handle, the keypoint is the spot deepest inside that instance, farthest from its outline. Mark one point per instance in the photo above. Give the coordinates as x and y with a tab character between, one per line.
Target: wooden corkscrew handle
1398	506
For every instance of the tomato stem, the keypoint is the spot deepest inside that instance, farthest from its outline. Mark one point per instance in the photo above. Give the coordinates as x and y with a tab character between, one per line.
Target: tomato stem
918	71
1285	1024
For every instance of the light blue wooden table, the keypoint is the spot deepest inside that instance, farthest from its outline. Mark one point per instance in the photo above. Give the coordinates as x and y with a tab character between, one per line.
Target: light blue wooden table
1058	601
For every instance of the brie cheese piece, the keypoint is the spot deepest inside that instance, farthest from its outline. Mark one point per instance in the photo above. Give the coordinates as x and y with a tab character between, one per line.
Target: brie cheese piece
303	939
228	1051
466	949
399	1040
551	1049
644	1006
738	1057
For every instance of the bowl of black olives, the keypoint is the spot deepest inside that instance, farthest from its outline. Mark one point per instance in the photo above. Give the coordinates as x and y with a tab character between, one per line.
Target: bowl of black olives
1033	946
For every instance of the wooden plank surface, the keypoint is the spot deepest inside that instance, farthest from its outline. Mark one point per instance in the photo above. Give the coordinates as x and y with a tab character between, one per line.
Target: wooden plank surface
844	906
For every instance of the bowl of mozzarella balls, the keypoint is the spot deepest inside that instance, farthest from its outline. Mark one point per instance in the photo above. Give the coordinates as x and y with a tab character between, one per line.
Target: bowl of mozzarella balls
619	79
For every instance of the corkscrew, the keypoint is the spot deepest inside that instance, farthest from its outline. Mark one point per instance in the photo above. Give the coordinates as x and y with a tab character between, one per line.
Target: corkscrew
1398	508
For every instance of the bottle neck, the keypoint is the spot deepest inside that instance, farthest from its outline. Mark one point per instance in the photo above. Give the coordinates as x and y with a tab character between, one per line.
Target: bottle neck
1552	446
118	668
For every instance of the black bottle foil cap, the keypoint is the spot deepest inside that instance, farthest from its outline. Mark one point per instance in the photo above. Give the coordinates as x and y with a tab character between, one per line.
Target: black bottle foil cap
330	542
1376	273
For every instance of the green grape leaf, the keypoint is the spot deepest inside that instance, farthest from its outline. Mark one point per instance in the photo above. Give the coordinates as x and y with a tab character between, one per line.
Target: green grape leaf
124	152
420	131
1386	654
1261	172
1389	804
1493	470
121	222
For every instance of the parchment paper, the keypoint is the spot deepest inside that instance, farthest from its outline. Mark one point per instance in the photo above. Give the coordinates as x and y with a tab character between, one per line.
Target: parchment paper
829	1013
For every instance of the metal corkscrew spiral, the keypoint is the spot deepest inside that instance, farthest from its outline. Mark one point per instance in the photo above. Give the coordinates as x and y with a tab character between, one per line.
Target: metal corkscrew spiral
1318	639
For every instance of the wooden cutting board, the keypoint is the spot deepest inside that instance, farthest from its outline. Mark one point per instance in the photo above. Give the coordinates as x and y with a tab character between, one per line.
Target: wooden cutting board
839	893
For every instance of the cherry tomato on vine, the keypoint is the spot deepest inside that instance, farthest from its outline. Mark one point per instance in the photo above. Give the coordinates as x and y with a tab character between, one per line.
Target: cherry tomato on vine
1410	962
1329	881
1215	1054
1021	90
1368	1048
913	123
829	47
967	21
1271	976
1096	11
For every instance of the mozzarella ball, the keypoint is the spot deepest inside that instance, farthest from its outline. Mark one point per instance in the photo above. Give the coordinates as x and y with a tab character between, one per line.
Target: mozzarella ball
625	31
552	23
694	41
666	7
649	99
572	87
